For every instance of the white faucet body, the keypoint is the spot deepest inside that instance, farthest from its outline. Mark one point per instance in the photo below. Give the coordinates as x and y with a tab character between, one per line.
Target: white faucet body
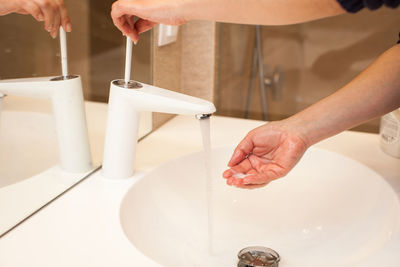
125	103
69	113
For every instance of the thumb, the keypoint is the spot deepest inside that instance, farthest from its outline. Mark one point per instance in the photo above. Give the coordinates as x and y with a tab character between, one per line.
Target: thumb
241	152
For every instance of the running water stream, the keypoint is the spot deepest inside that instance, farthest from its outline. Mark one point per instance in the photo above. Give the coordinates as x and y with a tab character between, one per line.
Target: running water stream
205	132
210	187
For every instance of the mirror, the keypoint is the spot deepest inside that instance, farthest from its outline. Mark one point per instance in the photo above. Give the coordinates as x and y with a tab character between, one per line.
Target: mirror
29	174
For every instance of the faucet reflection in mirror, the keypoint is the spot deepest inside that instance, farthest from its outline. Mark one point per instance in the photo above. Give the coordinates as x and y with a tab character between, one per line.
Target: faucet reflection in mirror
125	103
69	113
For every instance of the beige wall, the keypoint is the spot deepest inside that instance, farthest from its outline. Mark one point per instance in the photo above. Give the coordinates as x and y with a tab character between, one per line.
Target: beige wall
186	66
198	59
317	58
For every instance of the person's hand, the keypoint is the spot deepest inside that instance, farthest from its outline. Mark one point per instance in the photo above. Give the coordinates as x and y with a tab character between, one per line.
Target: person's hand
265	154
52	12
150	13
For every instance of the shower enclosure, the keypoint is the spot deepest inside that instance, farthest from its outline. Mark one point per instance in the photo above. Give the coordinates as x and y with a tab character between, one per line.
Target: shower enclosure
304	62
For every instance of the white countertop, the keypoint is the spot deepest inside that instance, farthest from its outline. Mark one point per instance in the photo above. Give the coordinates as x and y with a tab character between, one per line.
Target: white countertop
81	228
34	185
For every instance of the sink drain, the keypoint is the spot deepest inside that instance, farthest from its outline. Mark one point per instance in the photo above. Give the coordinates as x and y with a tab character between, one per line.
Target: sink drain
258	257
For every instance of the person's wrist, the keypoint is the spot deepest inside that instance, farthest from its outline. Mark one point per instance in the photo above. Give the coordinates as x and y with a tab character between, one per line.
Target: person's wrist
300	129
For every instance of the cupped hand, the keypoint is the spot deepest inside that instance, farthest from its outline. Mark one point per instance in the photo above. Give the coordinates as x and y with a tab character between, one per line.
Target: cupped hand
265	154
149	12
52	12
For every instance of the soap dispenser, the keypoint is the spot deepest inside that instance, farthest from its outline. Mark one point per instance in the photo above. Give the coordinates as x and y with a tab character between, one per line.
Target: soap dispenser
390	133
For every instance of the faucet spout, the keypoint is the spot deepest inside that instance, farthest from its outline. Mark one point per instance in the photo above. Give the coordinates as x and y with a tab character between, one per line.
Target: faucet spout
151	98
27	87
203	116
125	103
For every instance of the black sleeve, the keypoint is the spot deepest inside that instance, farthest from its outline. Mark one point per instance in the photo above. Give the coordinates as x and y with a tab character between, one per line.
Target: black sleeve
354	6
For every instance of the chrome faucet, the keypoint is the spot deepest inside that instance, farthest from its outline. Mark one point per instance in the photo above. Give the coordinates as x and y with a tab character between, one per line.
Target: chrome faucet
125	102
69	113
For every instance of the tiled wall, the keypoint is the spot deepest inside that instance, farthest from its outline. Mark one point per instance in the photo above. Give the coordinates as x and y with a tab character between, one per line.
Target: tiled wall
317	58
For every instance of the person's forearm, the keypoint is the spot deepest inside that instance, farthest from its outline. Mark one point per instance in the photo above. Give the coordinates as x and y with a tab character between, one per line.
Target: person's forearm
263	12
376	91
7	7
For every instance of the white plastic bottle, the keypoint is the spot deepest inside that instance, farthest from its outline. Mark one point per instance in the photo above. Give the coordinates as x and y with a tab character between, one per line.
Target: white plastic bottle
390	133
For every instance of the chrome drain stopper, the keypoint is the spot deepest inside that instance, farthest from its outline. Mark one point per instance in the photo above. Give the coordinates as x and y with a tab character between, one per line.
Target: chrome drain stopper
258	257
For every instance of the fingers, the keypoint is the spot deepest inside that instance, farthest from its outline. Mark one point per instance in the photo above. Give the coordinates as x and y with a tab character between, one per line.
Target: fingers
253	178
132	33
259	179
124	22
252	181
244	167
119	18
32	9
65	20
143	25
117	10
54	14
122	16
121	24
129	20
242	151
56	22
135	29
237	182
48	13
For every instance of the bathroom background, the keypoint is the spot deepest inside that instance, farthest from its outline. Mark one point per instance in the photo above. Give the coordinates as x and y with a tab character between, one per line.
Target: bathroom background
315	59
209	60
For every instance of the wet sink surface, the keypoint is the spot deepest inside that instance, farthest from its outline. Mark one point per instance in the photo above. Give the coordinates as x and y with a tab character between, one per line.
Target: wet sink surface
328	207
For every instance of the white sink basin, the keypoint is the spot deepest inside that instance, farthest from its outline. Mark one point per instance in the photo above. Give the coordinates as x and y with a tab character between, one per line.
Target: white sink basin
28	145
329	211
